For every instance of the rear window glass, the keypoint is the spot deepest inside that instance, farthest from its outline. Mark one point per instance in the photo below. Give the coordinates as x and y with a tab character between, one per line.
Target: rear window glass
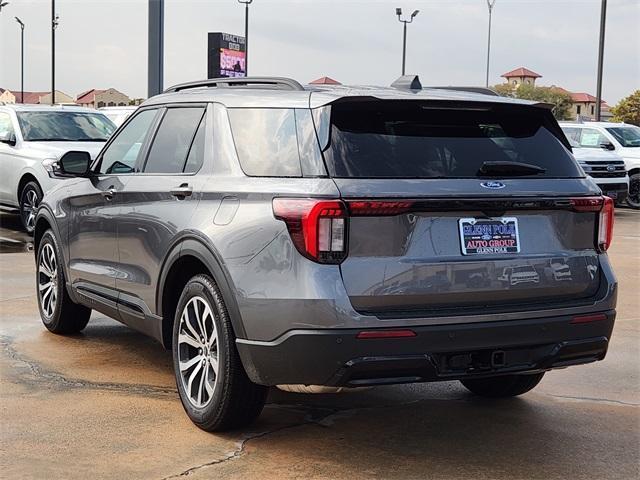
266	141
415	140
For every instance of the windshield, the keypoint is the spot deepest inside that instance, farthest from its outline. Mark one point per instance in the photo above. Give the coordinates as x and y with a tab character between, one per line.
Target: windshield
59	126
627	136
392	139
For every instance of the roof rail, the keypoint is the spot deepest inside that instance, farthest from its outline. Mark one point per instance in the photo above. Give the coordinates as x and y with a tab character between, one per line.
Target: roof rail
279	83
482	90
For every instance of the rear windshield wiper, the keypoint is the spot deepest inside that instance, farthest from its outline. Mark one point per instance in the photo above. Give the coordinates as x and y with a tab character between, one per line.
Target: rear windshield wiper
509	168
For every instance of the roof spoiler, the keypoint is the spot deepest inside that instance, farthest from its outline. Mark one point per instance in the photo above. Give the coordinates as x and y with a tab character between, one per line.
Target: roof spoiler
407	82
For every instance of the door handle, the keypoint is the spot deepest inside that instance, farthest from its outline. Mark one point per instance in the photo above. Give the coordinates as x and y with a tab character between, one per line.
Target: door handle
109	193
182	192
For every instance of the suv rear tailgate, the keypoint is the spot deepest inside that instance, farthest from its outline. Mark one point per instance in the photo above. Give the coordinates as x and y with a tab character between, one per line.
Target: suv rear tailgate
413	262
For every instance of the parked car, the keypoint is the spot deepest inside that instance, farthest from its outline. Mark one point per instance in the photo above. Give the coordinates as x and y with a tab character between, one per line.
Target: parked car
32	139
273	234
117	115
622	138
605	166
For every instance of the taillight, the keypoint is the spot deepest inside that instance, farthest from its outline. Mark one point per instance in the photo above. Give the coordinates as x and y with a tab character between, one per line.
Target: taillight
317	227
605	206
362	208
605	225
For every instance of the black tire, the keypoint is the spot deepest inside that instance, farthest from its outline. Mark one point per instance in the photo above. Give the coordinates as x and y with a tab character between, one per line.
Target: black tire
64	316
30	198
633	199
235	401
503	386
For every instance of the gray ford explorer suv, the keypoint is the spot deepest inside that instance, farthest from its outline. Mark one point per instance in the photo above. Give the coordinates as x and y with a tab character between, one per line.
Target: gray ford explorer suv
274	234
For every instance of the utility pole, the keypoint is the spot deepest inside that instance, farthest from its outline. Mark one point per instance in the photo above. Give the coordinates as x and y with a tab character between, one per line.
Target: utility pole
54	24
155	48
21	59
246	35
404	34
490	4
603	17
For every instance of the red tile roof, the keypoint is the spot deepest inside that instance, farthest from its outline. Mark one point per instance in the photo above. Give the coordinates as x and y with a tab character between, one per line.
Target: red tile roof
89	96
583	98
521	72
325	81
29	97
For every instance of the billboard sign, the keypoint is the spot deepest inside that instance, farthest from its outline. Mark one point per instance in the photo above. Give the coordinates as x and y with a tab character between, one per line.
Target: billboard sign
226	55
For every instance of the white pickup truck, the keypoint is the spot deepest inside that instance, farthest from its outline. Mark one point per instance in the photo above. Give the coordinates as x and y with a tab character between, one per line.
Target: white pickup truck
621	138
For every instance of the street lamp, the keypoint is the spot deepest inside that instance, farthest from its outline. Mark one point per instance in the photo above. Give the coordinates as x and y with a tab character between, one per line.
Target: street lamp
21	59
3	4
404	34
490	4
246	35
603	18
55	20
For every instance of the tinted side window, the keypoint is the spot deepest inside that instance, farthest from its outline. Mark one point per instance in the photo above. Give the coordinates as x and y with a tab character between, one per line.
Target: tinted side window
168	152
121	155
266	141
195	159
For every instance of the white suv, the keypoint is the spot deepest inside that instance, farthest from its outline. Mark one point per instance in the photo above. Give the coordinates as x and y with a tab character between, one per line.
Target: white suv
624	139
32	139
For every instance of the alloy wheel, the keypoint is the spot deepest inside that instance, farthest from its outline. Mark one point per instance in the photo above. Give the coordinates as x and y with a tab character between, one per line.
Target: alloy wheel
29	207
198	351
48	280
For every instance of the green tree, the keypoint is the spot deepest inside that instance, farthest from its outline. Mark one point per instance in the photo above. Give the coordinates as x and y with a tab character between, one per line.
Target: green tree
628	109
561	101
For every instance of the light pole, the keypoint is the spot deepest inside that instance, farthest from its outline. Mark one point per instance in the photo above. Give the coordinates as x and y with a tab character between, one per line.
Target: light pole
603	17
55	20
21	59
3	4
246	35
404	34
490	4
155	48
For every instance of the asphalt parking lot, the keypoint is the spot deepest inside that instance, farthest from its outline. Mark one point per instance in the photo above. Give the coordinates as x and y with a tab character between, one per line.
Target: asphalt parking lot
103	404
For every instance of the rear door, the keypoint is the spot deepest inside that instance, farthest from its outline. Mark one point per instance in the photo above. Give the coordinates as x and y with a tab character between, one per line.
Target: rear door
455	208
157	203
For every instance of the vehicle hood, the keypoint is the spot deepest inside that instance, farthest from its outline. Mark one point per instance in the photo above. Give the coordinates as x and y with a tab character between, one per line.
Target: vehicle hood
44	150
595	154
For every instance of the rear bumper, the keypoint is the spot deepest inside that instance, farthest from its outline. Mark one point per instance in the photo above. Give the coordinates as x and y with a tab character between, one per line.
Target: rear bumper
437	352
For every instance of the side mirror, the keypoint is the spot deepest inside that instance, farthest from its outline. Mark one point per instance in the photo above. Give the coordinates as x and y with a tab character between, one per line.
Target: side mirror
8	137
74	164
607	146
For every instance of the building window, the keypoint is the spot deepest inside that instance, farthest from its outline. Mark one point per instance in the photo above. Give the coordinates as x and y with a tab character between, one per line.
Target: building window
592	109
578	109
100	104
515	82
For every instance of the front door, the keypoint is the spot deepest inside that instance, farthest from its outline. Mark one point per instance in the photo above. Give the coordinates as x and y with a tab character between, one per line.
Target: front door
94	206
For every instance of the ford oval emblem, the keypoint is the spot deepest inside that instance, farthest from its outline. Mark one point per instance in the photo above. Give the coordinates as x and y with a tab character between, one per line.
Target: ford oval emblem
493	185
611	168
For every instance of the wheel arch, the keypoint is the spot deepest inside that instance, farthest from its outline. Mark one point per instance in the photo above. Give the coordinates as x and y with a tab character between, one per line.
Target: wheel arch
188	257
24	179
634	171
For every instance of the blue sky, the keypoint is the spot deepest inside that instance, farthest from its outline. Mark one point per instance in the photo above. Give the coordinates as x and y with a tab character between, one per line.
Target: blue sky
102	44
